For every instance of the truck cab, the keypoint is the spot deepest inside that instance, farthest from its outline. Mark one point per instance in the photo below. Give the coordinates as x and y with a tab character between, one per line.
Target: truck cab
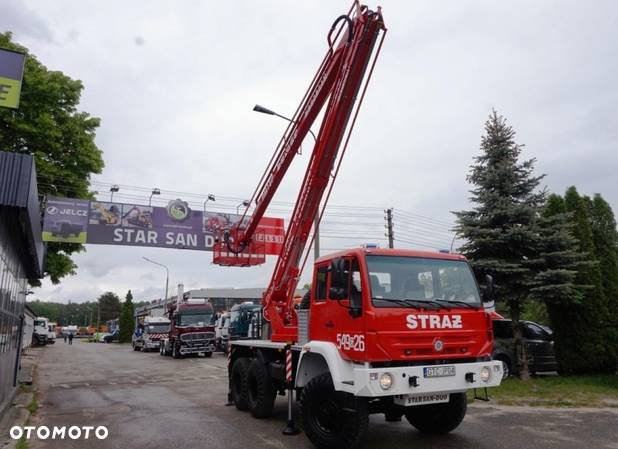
51	332
192	330
243	320
222	331
385	306
40	335
149	332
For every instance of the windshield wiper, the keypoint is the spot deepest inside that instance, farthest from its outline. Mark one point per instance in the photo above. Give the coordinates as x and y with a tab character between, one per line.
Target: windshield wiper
458	302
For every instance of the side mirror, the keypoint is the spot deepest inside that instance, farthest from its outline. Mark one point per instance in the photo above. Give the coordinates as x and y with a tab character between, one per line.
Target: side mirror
337	273
487	290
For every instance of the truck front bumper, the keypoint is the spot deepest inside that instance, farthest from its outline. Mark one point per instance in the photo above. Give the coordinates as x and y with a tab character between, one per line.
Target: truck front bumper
152	344
412	380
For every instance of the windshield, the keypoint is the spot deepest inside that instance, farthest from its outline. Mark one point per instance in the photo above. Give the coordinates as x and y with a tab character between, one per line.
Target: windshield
157	328
418	279
202	319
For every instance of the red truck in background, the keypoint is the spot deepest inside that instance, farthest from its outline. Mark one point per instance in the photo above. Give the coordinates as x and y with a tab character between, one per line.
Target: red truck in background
192	329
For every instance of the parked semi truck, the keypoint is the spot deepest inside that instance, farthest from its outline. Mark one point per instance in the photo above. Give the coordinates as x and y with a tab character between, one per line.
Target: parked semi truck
40	335
397	332
192	329
149	332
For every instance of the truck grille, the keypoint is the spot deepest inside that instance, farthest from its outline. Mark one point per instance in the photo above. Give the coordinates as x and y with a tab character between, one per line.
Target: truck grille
197	336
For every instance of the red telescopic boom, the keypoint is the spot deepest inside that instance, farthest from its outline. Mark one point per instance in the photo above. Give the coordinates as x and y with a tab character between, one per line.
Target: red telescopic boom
337	84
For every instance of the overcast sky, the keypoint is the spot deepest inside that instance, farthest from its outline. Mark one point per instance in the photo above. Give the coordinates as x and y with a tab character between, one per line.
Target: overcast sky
174	84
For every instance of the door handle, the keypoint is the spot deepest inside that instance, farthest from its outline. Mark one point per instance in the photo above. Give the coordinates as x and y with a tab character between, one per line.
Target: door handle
329	324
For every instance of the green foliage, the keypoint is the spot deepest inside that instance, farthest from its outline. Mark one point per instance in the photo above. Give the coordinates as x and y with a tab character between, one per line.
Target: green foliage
61	138
81	314
126	319
605	238
110	306
501	231
581	327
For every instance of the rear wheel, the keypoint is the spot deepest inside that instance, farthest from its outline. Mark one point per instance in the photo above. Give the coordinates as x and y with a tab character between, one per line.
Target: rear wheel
239	383
438	419
332	419
260	389
135	347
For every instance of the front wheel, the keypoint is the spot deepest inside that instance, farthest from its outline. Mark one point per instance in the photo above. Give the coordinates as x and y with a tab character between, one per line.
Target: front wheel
176	351
208	354
438	419
332	419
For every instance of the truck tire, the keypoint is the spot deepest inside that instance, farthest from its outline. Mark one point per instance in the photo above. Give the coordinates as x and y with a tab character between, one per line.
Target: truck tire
332	419
208	354
260	390
176	351
438	419
239	383
135	348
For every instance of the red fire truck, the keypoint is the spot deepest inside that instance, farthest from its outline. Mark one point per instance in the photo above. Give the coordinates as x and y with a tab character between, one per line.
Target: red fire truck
397	332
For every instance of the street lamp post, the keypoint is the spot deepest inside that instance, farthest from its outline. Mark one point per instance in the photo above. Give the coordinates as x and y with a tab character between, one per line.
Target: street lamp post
155	191
210	197
113	189
245	203
167	274
316	225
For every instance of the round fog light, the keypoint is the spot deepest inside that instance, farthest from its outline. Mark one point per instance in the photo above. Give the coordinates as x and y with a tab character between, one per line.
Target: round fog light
386	381
485	374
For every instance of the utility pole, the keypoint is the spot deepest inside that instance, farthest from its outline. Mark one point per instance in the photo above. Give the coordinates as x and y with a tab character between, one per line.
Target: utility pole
98	314
389	227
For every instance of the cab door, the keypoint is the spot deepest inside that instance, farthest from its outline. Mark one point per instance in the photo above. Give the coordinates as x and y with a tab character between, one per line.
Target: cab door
336	308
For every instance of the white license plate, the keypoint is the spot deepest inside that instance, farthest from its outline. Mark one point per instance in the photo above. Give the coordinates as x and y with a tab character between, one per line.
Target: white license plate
408	400
438	371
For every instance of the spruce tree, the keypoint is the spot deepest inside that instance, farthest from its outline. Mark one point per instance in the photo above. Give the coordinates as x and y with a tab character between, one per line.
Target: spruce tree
501	230
126	319
588	321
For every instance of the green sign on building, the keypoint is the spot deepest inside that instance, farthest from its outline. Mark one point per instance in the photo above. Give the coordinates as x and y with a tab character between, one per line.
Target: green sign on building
11	73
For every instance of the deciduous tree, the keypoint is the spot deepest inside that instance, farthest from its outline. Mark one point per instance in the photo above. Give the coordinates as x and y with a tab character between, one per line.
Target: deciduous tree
49	126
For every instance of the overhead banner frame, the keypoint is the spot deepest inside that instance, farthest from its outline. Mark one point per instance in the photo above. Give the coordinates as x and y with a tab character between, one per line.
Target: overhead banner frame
176	226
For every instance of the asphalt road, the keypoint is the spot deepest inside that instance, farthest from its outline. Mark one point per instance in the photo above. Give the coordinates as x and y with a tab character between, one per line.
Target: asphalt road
151	402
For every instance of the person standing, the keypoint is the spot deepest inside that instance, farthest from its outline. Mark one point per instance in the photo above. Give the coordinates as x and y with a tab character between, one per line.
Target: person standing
71	338
65	338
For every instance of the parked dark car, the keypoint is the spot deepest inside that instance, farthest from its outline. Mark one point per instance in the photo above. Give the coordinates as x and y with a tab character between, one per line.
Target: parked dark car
539	343
114	336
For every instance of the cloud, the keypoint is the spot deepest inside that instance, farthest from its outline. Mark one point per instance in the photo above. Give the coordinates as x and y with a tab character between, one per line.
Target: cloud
24	22
176	111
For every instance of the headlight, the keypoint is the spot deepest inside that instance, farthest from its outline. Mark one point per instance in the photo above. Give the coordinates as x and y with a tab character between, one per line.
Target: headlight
485	374
386	381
